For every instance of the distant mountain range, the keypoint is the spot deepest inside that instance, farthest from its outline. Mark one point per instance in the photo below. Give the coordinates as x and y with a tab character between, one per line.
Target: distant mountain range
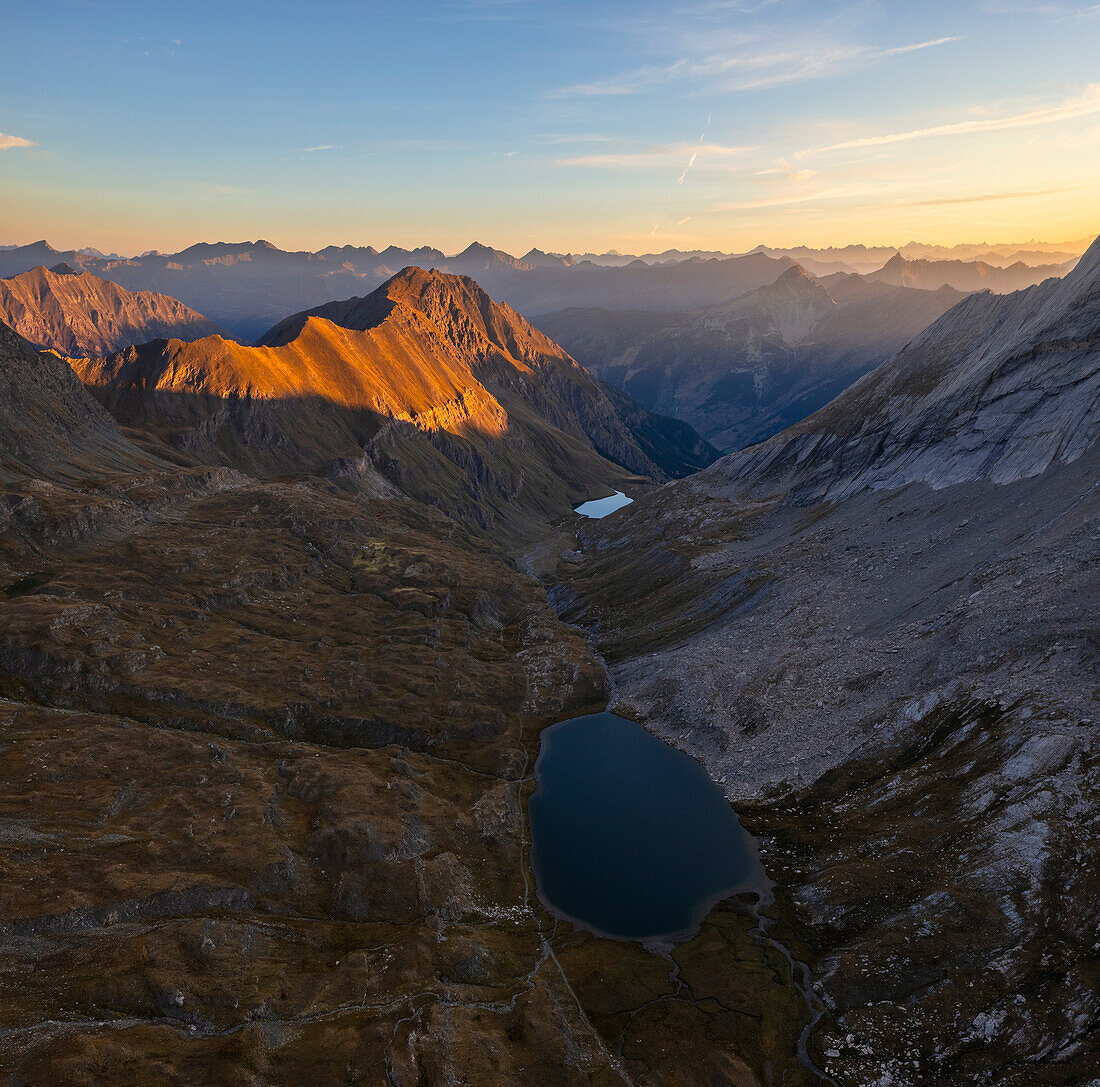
863	258
963	275
744	369
738	347
247	287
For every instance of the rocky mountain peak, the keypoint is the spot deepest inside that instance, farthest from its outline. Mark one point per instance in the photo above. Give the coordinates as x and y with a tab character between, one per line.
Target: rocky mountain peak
795	276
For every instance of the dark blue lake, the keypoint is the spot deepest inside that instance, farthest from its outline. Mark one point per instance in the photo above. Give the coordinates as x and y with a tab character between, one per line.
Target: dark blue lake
628	835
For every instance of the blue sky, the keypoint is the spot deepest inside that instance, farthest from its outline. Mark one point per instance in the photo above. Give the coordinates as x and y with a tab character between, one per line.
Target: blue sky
566	125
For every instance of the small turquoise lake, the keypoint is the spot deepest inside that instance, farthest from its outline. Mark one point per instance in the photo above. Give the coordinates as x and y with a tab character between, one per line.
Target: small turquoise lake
601	507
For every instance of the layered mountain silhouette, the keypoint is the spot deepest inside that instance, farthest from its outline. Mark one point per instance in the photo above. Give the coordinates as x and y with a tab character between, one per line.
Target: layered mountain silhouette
247	287
963	275
451	397
745	369
78	313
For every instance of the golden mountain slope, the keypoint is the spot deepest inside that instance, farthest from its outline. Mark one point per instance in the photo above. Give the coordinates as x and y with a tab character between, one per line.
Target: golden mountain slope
454	398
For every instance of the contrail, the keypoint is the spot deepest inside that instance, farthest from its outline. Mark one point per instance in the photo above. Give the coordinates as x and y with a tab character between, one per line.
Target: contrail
691	163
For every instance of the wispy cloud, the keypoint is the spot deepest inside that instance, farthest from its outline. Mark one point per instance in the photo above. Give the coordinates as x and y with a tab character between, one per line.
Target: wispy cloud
1052	9
1072	108
320	147
7	142
691	163
988	197
870	194
563	138
836	192
659	155
785	173
755	66
631	82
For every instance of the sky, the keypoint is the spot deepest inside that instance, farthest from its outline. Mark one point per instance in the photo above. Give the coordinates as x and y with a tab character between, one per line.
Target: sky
570	125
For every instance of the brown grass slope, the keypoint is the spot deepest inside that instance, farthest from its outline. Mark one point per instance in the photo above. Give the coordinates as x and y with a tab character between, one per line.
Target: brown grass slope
266	748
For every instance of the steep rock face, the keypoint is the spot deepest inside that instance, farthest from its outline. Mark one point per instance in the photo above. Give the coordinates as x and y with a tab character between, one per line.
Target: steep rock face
745	369
49	424
455	399
80	314
1000	387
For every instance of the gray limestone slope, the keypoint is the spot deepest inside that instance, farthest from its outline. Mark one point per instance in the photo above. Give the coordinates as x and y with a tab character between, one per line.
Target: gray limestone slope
878	632
1000	388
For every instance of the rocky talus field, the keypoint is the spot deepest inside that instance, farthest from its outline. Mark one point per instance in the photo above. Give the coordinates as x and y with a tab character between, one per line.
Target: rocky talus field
878	631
